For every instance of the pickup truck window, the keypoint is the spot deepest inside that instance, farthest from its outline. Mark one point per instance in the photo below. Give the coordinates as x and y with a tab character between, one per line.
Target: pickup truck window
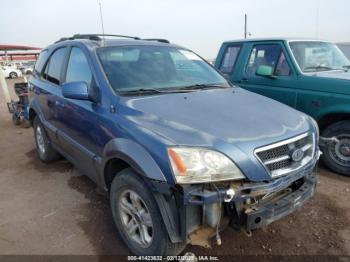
282	68
53	68
268	55
230	57
78	67
149	67
313	56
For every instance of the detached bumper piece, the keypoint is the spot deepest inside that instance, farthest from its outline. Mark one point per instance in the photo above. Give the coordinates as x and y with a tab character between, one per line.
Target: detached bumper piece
263	214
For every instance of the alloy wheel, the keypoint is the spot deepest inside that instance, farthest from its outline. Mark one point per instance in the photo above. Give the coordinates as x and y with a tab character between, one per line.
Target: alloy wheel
136	218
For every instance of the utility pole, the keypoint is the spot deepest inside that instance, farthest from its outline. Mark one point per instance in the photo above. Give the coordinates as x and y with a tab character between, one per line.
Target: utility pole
245	26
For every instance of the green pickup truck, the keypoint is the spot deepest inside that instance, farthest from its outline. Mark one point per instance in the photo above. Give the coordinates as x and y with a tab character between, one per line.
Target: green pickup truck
309	75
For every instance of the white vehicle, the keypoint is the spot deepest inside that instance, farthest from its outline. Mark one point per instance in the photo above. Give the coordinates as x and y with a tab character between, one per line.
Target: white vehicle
10	72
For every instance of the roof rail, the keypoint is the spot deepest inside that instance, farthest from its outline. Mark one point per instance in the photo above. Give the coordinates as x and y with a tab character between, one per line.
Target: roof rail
99	37
157	39
89	36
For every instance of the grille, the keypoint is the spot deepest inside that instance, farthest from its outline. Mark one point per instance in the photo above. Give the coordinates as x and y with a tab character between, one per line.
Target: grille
288	155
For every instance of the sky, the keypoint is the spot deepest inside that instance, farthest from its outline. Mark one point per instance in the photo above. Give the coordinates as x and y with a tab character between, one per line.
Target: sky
201	25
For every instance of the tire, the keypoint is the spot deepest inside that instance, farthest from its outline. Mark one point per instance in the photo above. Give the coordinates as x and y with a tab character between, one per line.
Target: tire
125	185
16	120
13	75
336	156
45	151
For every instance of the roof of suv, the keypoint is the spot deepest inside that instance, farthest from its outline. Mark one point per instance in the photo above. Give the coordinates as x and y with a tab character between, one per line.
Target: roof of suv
94	41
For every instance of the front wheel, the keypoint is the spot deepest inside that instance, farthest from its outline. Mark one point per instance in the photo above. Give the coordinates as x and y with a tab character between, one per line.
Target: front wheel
137	217
337	154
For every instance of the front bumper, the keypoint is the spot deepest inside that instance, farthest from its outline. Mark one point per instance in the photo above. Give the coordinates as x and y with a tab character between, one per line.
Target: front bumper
263	214
257	204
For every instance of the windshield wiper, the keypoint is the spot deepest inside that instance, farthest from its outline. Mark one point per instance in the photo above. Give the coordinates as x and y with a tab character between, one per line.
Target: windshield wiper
201	86
319	68
151	91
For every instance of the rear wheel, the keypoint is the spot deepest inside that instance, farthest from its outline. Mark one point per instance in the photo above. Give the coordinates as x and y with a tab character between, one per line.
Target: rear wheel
337	154
137	217
44	148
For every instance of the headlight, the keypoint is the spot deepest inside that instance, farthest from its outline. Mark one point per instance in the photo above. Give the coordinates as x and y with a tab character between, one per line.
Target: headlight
199	165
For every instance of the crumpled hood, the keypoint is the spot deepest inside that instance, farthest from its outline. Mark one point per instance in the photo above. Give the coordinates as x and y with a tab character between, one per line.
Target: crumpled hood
204	118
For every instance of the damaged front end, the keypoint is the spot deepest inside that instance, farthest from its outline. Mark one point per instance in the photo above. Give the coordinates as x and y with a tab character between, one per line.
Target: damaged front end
244	205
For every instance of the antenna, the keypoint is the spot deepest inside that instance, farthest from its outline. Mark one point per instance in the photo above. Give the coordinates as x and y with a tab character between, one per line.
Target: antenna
101	18
245	25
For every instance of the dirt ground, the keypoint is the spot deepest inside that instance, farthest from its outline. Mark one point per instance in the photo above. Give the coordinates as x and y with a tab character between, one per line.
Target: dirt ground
55	210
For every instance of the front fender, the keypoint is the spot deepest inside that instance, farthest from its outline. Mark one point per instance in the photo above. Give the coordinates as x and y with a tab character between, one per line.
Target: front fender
135	155
334	109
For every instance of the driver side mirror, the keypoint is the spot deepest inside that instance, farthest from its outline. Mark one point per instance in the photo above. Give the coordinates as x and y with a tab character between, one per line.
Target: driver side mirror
265	71
76	90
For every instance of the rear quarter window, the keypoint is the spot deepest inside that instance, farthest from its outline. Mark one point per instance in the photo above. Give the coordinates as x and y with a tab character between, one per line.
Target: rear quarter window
41	61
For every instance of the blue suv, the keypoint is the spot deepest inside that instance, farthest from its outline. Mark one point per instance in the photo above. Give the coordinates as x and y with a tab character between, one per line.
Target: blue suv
179	149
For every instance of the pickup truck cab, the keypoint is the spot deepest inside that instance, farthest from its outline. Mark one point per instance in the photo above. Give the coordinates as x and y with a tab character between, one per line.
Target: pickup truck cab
177	148
309	75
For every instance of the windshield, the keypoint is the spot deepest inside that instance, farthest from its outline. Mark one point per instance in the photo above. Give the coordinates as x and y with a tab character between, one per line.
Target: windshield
156	67
315	56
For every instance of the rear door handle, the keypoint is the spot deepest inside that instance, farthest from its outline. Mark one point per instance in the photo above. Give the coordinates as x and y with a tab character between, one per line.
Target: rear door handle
60	104
243	80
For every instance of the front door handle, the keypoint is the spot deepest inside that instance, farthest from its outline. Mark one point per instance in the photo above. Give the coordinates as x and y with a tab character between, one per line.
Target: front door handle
60	104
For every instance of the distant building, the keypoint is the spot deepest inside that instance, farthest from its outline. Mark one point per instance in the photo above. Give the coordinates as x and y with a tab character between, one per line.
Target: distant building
345	47
18	53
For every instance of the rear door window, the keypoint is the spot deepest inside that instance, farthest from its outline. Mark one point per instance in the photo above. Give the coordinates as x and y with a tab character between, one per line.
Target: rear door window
230	58
54	67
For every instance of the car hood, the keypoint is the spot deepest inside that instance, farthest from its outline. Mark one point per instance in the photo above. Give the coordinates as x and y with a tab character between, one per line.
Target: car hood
204	117
233	121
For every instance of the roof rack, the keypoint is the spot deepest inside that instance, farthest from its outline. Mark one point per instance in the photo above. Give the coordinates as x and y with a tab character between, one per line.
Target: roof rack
97	37
157	39
89	36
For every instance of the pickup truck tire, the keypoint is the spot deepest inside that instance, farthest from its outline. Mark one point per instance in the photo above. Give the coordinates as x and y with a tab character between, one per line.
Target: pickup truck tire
337	155
46	152
127	189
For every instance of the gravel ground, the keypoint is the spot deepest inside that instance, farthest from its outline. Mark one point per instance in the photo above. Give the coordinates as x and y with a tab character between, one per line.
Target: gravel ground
55	210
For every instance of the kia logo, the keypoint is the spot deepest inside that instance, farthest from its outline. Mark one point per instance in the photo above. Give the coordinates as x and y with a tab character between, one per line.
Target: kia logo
297	155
